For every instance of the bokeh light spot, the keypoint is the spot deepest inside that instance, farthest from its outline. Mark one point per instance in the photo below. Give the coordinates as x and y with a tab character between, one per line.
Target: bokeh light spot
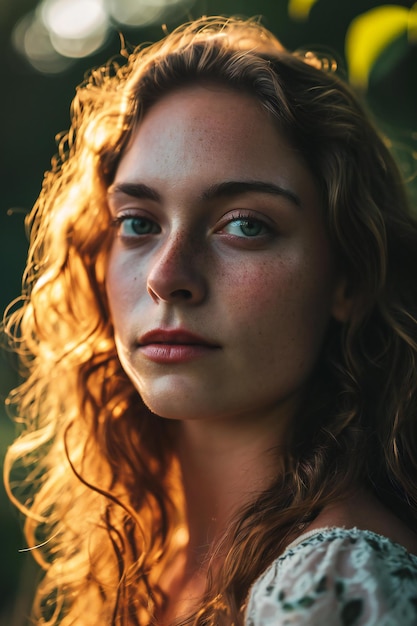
74	18
300	9
31	39
134	13
77	27
140	13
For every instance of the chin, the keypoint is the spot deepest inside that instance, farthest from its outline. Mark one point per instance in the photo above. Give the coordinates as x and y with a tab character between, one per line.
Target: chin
171	406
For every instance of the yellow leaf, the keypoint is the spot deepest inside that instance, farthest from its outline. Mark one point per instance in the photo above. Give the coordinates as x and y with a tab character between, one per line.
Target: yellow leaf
300	9
370	33
412	24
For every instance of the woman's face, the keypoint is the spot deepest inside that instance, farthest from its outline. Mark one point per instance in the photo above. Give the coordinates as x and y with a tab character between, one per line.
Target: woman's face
221	280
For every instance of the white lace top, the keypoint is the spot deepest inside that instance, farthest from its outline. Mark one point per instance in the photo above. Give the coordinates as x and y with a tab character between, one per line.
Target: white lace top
337	577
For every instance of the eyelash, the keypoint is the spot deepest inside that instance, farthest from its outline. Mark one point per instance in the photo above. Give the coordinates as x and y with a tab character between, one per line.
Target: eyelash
248	218
234	218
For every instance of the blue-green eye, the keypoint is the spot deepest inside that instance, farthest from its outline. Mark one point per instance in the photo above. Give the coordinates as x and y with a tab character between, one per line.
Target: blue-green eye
134	226
246	227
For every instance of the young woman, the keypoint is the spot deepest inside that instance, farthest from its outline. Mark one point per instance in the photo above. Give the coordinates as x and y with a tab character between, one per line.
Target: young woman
220	339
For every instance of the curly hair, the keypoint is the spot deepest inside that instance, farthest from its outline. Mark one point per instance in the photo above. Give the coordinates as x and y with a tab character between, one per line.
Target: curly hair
102	489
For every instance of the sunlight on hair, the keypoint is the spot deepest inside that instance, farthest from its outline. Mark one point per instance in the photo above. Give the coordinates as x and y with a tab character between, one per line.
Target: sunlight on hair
300	9
96	134
118	410
180	536
370	33
39	545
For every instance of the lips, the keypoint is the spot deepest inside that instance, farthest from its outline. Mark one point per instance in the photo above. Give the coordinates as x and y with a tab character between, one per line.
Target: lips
174	337
174	346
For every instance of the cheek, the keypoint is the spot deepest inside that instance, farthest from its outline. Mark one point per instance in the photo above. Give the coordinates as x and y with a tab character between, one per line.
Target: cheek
281	300
120	287
261	288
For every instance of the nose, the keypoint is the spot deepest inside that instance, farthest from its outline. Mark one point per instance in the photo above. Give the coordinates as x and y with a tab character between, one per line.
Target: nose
174	273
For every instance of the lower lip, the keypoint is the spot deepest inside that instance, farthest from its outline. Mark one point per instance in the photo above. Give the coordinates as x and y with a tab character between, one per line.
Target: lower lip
175	353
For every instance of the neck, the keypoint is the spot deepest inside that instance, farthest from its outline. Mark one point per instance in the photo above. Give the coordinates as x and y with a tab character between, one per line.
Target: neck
224	468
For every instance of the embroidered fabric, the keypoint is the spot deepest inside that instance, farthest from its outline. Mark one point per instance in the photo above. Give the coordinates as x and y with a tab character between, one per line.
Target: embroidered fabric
337	577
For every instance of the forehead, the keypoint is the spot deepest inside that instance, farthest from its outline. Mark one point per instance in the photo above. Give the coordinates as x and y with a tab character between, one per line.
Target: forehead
210	133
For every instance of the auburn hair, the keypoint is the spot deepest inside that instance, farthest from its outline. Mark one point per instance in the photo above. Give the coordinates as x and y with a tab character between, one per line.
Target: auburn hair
101	487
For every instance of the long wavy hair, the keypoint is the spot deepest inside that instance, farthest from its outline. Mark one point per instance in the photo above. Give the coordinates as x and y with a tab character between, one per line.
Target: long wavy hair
95	473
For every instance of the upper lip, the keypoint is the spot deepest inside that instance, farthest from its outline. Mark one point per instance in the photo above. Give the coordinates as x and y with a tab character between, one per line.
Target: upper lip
178	336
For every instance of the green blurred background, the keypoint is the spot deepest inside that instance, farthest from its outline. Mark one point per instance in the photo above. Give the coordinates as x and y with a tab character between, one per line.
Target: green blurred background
45	50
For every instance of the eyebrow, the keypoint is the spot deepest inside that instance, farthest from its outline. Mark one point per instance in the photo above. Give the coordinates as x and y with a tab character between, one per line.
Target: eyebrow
136	190
235	188
220	190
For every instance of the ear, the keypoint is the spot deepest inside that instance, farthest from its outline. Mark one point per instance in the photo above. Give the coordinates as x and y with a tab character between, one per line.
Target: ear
343	301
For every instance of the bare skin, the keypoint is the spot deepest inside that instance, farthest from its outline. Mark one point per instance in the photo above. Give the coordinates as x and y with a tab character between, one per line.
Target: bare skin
363	510
223	468
185	583
214	490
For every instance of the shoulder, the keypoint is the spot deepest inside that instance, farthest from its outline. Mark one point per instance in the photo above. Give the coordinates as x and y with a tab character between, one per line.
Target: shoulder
337	577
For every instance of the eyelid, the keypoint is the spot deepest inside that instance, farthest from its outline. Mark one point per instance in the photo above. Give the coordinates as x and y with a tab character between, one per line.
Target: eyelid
124	213
128	209
247	214
241	213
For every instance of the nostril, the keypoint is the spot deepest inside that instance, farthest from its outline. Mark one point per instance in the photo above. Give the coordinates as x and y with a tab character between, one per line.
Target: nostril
179	284
184	294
